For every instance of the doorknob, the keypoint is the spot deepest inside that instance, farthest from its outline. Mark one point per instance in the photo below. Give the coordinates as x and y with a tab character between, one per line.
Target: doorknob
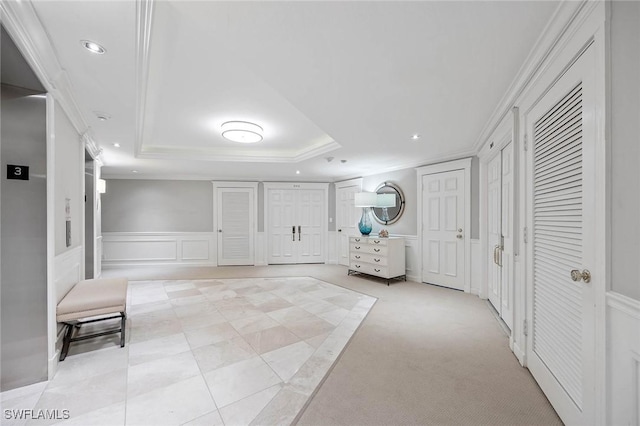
459	229
585	275
459	236
339	230
219	230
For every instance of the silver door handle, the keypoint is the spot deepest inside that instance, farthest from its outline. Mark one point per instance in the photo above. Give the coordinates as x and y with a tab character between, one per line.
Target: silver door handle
585	275
299	232
293	233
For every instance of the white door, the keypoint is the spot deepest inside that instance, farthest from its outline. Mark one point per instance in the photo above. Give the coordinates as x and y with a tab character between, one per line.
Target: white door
443	234
310	229
296	228
235	226
507	247
500	233
347	217
560	177
281	227
494	227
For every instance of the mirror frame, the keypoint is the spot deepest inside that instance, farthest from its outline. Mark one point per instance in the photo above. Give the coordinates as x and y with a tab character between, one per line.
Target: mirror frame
377	211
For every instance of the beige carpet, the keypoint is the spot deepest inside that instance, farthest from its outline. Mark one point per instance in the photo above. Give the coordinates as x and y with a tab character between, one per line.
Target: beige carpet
424	355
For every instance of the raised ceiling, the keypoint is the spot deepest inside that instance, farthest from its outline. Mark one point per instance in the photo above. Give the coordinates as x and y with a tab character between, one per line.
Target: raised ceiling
351	80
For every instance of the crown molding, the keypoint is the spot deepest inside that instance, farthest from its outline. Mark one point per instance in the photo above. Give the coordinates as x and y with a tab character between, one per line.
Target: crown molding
92	148
144	20
23	25
561	21
412	165
239	155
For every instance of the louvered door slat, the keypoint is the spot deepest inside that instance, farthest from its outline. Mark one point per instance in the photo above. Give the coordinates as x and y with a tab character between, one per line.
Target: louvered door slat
557	243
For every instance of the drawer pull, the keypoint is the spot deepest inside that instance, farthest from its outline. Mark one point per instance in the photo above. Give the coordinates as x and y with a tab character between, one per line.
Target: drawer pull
357	247
357	240
377	270
376	241
357	257
376	260
376	250
357	266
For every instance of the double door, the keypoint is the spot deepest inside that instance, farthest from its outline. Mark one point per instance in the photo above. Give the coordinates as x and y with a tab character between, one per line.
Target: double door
500	233
296	225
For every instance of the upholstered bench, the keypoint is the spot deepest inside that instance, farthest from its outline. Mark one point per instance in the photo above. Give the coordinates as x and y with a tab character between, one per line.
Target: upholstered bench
91	301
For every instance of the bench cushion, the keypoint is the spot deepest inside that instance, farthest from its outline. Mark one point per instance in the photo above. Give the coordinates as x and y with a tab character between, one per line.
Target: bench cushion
91	298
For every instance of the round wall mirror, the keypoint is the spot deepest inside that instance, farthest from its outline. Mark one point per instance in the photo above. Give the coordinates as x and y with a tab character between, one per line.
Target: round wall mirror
393	213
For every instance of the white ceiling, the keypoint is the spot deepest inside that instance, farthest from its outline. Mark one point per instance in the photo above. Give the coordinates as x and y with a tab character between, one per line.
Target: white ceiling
351	80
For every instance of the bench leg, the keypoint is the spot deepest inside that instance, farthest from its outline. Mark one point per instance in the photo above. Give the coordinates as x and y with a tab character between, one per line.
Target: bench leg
66	341
123	327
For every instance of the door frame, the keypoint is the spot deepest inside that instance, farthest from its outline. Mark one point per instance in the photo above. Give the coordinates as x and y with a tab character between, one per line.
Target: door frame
219	185
589	31
340	185
295	186
462	164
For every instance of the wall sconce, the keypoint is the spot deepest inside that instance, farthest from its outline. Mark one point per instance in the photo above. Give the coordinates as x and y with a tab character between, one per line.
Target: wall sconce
101	186
366	200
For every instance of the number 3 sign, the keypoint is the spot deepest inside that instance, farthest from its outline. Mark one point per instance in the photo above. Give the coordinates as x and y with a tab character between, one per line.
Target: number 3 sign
17	172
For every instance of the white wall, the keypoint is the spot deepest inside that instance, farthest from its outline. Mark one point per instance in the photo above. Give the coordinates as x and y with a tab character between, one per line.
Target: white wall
625	148
157	206
69	174
406	180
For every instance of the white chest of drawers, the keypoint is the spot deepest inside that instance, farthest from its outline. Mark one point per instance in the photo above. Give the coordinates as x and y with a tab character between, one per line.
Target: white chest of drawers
381	257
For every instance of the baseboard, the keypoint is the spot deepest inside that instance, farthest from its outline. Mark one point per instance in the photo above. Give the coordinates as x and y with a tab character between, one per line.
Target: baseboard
414	278
518	352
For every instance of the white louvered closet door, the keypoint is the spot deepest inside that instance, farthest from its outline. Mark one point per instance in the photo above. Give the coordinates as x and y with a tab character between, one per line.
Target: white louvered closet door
561	167
236	226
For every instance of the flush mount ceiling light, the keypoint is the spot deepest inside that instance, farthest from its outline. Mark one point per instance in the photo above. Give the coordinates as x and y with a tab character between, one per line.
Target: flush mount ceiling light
415	137
93	47
241	131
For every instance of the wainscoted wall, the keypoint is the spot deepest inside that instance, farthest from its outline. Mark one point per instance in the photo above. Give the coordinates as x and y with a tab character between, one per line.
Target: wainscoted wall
158	248
476	267
261	247
623	360
332	247
411	256
67	272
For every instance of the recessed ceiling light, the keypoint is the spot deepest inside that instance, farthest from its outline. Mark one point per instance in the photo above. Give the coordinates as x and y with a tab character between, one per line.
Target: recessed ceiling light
93	47
117	145
241	131
134	171
102	116
297	172
415	137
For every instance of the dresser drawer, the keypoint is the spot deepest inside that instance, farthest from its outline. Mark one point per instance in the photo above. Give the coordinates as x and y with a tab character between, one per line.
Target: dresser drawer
369	248
369	240
378	271
369	258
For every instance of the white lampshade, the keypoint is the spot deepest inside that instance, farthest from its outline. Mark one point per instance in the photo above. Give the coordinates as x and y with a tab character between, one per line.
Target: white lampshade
386	200
365	199
101	186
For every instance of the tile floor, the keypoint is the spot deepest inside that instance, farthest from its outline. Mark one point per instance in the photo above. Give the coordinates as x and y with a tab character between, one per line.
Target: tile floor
204	352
